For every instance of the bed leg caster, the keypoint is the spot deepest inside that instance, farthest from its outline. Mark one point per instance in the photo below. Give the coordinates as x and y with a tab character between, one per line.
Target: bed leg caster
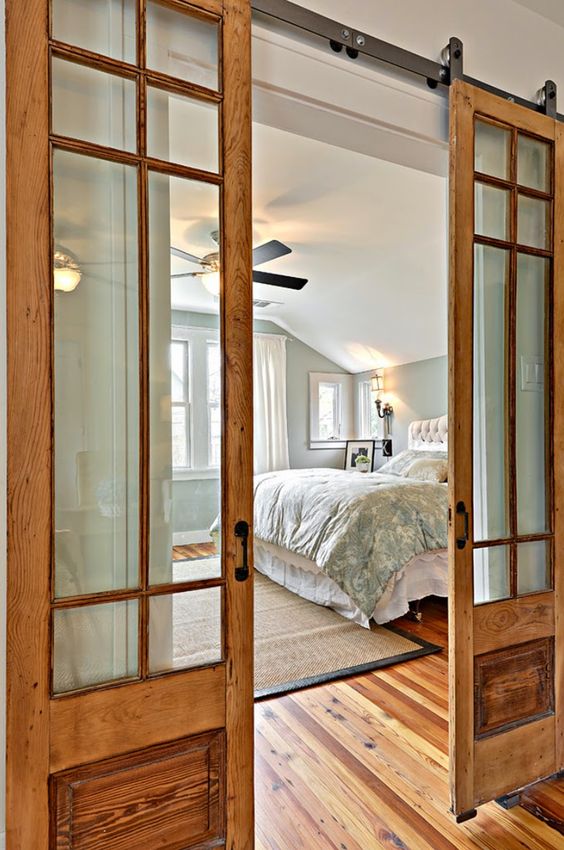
415	611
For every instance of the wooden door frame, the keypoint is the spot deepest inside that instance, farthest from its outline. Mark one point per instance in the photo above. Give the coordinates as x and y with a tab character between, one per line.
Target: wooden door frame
467	757
30	421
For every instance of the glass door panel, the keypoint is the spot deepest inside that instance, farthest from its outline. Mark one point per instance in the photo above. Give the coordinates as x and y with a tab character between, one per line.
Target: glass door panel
101	26
92	105
492	152
491	283
185	379
532	378
95	644
182	129
96	361
533	163
491	211
182	45
533	222
492	574
185	630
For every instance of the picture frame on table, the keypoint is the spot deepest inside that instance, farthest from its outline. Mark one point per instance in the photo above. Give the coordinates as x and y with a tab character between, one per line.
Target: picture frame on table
357	448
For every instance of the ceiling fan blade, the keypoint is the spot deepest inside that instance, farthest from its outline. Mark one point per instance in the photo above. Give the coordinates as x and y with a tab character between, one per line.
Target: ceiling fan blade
269	251
184	255
283	280
187	274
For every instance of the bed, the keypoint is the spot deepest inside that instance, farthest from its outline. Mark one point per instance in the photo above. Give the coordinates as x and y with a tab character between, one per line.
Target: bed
364	544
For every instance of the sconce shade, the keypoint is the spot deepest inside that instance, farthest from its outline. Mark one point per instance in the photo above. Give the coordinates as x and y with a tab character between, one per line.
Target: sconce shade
377	383
66	272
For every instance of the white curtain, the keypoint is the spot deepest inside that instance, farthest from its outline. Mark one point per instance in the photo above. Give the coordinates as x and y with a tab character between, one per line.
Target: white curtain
270	414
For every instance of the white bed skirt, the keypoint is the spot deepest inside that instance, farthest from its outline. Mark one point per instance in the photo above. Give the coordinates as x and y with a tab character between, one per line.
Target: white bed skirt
425	575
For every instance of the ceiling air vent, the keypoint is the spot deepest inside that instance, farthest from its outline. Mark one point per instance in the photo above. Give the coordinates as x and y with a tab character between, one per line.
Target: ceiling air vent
261	304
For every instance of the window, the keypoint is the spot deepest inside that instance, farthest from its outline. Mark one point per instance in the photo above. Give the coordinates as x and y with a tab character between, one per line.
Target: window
329	411
368	422
195	402
214	398
180	401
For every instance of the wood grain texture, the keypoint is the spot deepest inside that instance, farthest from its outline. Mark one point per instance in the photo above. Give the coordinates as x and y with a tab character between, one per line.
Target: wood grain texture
513	686
237	335
558	415
513	621
362	764
461	212
546	801
29	424
171	797
507	762
478	630
103	723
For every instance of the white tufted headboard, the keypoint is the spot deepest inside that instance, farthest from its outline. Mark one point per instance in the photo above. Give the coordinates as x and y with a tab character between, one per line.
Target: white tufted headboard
429	435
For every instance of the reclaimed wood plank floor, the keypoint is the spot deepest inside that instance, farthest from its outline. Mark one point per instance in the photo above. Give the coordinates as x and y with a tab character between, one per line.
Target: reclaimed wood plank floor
362	764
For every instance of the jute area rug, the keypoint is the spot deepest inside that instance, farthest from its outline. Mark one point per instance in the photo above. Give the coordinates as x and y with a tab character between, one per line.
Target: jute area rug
297	643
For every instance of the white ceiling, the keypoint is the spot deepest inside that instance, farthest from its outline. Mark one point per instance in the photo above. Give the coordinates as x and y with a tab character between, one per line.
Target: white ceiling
369	235
551	9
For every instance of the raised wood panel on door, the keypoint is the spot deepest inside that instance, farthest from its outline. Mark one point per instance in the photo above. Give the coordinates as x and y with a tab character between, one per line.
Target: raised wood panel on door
168	797
513	686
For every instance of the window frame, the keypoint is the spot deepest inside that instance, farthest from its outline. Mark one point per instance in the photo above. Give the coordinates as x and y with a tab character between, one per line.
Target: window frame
199	430
345	382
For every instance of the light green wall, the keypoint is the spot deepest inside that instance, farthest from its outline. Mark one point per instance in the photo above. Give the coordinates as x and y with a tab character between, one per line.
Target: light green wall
417	391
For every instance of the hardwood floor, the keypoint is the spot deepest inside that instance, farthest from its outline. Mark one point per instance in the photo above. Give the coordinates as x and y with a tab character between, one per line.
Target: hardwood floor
193	551
362	764
546	801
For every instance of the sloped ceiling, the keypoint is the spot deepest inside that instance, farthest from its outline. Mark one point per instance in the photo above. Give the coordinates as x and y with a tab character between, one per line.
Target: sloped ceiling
551	9
371	237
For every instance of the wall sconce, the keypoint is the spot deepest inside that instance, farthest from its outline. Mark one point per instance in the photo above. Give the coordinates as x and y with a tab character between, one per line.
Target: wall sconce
383	408
66	271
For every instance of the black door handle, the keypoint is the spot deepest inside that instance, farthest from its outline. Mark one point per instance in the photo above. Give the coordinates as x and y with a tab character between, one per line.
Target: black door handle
242	531
461	511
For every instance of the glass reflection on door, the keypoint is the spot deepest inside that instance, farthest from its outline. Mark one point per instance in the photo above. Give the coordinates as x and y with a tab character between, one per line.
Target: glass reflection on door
185	379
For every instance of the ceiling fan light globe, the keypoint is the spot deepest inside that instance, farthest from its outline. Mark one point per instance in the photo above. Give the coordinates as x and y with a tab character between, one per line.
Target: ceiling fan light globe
211	282
66	280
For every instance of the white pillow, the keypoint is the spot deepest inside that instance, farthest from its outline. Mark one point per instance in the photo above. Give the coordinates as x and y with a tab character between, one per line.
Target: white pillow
402	463
428	469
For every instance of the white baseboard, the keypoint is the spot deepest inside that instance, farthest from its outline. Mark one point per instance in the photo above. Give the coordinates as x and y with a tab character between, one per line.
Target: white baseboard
184	538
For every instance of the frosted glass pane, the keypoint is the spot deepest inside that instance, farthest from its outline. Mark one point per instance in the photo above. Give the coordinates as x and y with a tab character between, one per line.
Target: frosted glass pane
185	442
491	274
533	163
491	211
101	26
94	644
533	276
185	630
183	130
181	45
492	150
96	361
492	577
92	105
533	222
533	566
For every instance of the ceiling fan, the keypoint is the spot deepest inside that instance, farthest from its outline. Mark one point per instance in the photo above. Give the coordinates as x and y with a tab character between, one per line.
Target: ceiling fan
210	265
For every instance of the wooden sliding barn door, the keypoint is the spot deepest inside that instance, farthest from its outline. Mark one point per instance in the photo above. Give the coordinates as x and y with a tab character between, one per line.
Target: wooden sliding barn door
506	443
130	690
